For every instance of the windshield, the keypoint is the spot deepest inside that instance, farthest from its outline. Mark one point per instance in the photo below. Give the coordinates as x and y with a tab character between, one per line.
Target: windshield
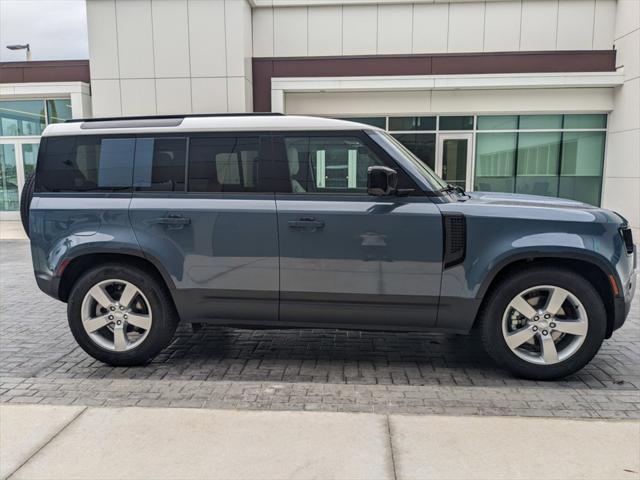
394	147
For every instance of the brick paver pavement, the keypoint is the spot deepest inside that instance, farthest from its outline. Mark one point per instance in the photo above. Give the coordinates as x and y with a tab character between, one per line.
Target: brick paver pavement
294	369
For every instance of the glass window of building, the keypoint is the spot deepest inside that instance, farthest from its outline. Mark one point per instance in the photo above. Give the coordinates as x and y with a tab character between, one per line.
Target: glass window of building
537	164
22	117
495	162
581	170
498	122
540	122
380	122
412	123
565	159
58	110
456	123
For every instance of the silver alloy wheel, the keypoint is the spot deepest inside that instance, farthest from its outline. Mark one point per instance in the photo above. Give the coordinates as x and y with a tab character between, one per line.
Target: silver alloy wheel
545	324
116	315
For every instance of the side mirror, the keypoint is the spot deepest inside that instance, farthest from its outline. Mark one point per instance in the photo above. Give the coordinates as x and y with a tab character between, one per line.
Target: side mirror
381	181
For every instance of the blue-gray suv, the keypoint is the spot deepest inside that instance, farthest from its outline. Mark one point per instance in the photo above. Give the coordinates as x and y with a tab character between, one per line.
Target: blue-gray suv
287	222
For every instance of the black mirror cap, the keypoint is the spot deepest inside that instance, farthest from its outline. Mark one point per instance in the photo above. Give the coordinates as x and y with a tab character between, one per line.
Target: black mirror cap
381	181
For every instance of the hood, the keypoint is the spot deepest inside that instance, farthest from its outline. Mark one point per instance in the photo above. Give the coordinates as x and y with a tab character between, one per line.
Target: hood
516	199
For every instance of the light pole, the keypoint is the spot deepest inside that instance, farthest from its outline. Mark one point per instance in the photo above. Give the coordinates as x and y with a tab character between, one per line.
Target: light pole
21	47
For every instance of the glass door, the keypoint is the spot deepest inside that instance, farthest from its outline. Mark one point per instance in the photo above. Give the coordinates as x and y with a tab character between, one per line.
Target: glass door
8	177
17	160
454	161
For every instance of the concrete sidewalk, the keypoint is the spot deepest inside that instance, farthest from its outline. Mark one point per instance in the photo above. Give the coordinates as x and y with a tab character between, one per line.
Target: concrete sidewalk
47	442
12	230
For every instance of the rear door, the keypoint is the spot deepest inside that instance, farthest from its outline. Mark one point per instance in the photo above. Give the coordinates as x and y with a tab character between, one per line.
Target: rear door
200	212
347	258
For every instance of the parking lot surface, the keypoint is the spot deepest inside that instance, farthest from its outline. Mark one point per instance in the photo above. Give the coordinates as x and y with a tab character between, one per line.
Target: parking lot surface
323	370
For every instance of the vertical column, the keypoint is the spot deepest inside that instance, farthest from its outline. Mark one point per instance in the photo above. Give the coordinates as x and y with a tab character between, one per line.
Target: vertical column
621	190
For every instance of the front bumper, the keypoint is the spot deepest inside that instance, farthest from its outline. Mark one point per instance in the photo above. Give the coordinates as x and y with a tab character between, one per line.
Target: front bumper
622	304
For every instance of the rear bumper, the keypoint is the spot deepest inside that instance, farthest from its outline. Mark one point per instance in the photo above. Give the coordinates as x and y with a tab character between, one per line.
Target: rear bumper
48	284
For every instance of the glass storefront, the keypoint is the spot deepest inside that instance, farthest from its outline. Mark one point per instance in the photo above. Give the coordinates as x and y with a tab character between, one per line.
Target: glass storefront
553	155
21	124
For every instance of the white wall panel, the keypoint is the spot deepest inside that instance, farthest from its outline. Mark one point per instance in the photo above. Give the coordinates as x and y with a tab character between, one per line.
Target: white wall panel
627	17
357	103
430	28
207	42
135	38
290	31
520	100
604	24
238	94
628	55
575	24
262	27
138	97
173	95
359	29
626	115
466	27
238	37
395	25
539	22
103	39
171	38
325	30
623	195
620	163
209	95
502	26
105	98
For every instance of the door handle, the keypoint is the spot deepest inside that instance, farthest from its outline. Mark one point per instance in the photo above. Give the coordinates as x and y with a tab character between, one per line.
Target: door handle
306	222
172	220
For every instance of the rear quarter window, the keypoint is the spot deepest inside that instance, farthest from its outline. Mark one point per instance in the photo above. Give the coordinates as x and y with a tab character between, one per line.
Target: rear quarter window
85	164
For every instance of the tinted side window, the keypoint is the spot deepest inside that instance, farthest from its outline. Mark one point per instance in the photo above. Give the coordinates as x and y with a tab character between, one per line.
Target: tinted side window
160	164
85	164
328	164
224	164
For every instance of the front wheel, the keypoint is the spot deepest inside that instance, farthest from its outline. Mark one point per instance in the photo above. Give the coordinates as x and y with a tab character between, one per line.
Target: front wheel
543	323
121	315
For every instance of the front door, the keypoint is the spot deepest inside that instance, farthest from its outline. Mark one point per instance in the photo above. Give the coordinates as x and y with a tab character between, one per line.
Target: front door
349	259
455	159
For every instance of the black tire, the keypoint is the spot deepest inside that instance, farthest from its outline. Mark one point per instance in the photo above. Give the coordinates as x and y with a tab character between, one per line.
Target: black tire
163	326
25	201
501	295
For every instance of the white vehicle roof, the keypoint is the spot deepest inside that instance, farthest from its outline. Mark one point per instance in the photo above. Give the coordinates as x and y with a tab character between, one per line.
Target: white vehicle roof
200	123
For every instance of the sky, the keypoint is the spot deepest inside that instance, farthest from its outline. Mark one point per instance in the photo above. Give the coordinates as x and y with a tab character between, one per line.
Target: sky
55	29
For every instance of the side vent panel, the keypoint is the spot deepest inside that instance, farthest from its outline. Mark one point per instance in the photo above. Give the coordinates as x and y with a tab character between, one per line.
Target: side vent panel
455	238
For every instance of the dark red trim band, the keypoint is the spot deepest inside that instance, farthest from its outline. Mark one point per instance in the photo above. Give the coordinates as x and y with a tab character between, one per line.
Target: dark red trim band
46	71
442	64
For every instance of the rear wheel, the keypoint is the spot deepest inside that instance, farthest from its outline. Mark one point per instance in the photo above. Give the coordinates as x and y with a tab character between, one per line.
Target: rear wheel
121	315
25	201
543	323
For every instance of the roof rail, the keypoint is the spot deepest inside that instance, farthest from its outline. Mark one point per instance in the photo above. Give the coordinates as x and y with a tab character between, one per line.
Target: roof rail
168	117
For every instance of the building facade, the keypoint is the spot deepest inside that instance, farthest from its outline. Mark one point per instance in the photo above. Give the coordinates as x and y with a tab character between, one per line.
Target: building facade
532	96
33	95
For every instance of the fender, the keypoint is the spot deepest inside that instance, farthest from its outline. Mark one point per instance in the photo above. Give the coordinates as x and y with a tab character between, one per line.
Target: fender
508	258
464	286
